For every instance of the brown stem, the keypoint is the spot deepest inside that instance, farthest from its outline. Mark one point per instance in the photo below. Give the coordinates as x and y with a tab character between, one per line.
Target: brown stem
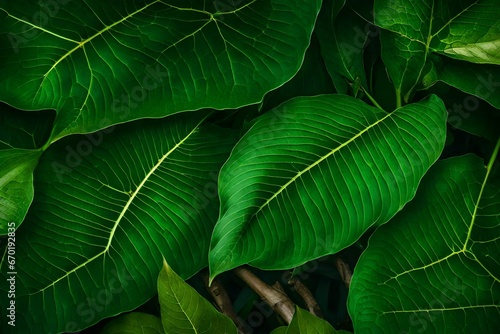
344	270
307	296
221	298
274	296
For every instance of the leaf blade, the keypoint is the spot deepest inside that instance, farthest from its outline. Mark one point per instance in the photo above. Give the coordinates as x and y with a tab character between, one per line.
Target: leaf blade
16	185
167	57
450	234
103	211
183	310
302	149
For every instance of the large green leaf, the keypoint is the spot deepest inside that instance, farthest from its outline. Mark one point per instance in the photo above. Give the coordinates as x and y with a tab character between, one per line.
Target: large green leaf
311	176
107	206
185	311
134	323
434	268
16	185
466	29
95	63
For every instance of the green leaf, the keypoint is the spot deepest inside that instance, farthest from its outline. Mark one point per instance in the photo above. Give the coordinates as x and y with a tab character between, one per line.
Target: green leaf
466	30
183	310
16	186
343	34
164	56
404	40
311	176
304	322
134	323
434	268
107	207
21	133
471	30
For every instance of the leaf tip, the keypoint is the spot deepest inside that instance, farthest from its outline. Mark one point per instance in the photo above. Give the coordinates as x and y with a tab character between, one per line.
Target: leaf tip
166	267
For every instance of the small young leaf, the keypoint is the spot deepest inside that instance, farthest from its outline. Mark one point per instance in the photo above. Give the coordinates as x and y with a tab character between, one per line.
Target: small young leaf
184	311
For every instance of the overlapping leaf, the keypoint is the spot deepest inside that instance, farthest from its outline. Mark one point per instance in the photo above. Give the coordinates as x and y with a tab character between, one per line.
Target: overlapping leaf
404	40
19	139
107	206
315	173
434	268
95	64
467	30
343	34
184	311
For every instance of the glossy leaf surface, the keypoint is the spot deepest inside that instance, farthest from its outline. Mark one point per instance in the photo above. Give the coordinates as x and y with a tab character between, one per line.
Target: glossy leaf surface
184	310
106	206
310	177
434	267
98	65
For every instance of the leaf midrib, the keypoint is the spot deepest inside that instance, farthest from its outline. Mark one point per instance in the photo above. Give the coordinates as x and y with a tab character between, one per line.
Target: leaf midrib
430	35
82	43
464	249
461	308
317	162
133	195
426	43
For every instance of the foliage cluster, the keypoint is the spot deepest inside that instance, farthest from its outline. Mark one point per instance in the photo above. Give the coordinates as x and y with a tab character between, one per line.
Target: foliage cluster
277	134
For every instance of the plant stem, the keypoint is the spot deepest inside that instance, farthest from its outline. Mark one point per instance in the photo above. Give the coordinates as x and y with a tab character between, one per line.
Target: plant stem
344	270
221	298
494	155
307	296
398	99
274	297
371	98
